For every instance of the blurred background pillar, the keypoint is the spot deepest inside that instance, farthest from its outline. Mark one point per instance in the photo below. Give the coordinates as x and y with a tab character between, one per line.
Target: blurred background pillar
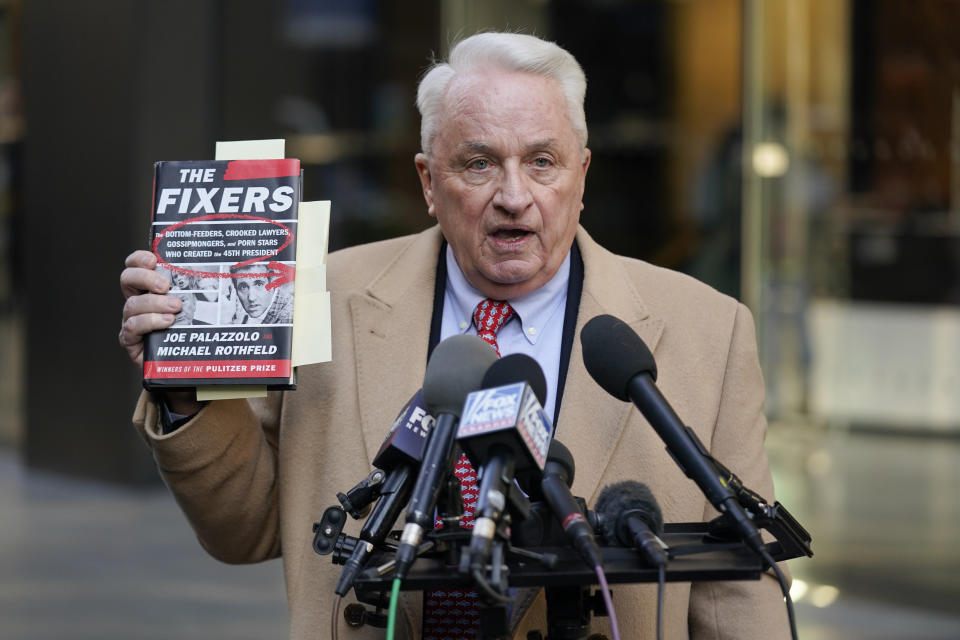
110	86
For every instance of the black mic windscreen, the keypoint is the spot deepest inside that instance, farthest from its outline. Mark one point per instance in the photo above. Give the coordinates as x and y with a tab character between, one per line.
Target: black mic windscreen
623	497
456	368
559	454
613	354
559	459
517	367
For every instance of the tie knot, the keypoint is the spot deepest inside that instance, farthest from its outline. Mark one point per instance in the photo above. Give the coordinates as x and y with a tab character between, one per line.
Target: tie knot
488	317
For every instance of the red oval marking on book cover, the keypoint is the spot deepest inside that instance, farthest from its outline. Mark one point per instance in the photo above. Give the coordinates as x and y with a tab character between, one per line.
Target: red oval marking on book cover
281	272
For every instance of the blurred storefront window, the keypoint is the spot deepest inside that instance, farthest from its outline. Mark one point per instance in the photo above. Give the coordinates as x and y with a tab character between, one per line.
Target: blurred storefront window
852	247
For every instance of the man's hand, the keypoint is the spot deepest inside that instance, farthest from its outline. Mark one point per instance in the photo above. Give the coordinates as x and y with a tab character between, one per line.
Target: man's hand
147	308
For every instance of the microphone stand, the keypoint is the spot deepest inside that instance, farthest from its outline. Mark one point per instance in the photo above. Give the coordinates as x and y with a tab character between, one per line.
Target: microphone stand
569	610
792	540
494	621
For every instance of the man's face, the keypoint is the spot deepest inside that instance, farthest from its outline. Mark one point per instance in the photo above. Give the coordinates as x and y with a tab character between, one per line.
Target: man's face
505	179
252	291
180	280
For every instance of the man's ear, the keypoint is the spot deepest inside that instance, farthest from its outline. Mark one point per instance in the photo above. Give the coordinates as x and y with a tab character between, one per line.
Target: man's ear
584	165
423	170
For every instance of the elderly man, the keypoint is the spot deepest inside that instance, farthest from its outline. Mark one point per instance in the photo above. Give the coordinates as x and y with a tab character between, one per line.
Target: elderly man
503	168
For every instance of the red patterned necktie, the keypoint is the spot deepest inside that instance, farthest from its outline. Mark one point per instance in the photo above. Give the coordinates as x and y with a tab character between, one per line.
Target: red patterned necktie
456	614
488	317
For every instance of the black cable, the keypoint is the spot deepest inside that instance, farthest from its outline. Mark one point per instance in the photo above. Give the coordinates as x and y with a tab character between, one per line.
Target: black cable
782	579
661	586
487	589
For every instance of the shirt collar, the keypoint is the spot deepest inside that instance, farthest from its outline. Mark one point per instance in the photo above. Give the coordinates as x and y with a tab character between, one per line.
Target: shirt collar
536	309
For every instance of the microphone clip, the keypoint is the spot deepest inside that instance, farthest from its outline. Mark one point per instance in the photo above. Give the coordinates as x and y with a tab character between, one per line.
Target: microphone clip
357	500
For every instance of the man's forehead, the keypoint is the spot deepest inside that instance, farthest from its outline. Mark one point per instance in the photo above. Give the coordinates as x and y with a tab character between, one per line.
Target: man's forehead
482	147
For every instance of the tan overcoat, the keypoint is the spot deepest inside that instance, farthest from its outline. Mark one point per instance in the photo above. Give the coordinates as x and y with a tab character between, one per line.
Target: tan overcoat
253	477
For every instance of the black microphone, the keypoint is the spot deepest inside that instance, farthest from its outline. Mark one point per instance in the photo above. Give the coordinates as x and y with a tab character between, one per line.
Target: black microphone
555	486
620	362
504	432
399	456
630	515
456	368
404	443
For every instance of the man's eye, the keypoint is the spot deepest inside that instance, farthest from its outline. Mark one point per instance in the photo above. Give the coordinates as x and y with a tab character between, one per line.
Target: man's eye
541	162
479	164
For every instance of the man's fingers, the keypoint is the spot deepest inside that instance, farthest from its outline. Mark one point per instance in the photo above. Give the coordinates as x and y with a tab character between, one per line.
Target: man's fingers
146	308
139	276
141	258
135	327
142	314
151	303
137	280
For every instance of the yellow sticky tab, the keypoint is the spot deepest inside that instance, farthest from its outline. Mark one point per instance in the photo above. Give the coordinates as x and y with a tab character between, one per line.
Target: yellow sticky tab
312	341
311	307
250	149
314	233
229	392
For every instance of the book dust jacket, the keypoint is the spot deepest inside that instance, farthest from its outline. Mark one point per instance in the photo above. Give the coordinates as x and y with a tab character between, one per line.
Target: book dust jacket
224	233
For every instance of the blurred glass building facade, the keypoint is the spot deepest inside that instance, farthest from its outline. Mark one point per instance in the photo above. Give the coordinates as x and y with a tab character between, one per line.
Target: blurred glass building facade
801	155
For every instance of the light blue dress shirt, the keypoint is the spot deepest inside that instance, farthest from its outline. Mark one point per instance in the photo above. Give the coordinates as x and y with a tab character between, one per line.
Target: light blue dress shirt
538	332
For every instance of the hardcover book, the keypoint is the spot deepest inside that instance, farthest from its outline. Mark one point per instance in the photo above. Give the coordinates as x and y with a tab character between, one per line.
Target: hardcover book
224	233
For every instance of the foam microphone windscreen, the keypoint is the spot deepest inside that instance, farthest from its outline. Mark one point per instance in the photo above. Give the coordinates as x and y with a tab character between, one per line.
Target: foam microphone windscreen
613	354
517	367
628	497
456	367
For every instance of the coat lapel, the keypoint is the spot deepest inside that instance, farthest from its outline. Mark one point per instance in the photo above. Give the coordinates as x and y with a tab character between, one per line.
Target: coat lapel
391	324
591	421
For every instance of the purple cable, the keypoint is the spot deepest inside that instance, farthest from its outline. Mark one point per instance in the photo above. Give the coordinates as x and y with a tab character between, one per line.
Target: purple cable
608	601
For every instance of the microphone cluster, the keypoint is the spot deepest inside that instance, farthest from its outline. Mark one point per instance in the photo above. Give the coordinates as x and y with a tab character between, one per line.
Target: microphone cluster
492	409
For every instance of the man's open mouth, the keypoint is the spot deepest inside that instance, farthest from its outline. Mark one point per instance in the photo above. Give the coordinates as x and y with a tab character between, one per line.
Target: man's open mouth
510	235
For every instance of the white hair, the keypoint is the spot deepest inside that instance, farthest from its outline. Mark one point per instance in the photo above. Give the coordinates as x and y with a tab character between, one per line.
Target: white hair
509	52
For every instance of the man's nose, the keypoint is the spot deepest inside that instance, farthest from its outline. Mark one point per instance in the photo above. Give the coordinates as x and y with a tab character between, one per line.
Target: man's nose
513	194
